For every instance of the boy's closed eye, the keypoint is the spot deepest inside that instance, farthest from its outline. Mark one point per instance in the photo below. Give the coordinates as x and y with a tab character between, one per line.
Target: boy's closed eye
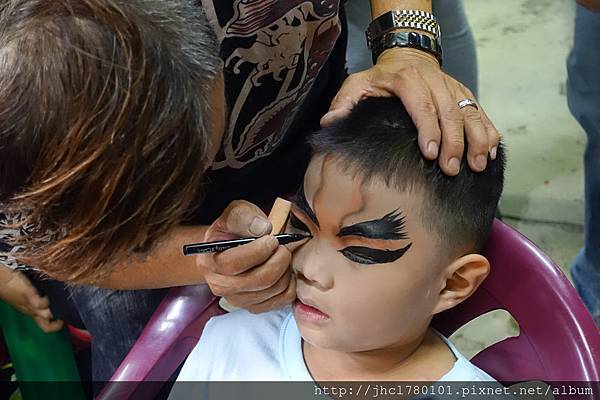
297	223
367	255
358	254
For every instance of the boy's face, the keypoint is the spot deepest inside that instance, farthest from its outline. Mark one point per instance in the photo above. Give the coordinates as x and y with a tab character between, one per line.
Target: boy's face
370	277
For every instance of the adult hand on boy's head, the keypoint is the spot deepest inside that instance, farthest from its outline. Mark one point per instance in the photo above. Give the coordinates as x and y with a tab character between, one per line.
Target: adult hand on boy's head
431	98
20	293
256	276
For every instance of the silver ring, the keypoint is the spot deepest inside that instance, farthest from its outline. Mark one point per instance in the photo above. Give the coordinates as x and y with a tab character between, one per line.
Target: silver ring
467	102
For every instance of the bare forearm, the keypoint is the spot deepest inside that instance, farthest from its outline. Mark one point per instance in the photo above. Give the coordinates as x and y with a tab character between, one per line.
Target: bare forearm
165	266
379	7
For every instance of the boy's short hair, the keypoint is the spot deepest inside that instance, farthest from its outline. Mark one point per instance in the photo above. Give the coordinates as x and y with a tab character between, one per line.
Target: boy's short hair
379	140
103	124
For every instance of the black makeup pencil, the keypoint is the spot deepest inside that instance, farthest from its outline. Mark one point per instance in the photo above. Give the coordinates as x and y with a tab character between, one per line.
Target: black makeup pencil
211	247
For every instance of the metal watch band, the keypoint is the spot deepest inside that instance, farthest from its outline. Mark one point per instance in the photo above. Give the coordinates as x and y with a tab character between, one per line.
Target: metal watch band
402	19
414	40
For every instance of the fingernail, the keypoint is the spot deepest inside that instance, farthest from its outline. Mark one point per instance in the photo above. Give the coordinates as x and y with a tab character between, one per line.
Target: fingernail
259	226
272	242
325	118
481	161
454	164
432	149
493	152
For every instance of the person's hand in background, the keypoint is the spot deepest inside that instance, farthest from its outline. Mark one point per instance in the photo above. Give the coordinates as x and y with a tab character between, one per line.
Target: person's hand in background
16	290
256	276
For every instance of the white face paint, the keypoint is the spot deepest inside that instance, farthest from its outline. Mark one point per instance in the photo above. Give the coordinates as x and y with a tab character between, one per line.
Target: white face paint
346	305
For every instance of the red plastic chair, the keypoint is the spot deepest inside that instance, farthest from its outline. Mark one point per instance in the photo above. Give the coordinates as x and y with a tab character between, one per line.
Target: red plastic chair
558	339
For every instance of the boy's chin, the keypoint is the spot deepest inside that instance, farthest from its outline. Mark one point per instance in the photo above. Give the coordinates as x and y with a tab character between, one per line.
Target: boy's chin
323	341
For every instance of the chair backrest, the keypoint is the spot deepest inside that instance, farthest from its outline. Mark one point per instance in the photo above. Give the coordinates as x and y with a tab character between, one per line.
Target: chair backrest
558	339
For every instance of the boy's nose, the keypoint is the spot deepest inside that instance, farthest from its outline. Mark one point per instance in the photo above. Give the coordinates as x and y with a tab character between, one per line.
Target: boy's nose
311	266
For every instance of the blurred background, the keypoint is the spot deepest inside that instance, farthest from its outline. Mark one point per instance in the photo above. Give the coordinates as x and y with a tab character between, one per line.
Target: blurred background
522	50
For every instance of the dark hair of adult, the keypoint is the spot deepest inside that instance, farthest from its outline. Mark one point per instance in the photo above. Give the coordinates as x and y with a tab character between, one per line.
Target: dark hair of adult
103	139
379	140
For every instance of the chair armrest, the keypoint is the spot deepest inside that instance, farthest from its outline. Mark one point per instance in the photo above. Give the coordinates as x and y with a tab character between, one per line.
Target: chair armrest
167	339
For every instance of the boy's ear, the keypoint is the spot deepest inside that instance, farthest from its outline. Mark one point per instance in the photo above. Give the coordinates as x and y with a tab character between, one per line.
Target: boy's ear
463	277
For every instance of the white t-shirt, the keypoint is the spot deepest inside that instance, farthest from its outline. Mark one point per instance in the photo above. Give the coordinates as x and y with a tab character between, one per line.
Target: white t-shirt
241	346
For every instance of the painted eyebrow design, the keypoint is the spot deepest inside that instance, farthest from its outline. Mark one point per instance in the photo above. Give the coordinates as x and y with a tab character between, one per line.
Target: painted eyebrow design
390	227
300	201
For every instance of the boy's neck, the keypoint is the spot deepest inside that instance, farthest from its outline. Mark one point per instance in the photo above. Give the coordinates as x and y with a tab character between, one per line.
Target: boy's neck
425	358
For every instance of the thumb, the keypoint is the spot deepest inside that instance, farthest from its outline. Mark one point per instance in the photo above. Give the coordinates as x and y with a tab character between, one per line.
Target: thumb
352	90
240	219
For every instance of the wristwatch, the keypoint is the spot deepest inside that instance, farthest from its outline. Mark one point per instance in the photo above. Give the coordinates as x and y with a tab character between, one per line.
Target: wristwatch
414	40
402	19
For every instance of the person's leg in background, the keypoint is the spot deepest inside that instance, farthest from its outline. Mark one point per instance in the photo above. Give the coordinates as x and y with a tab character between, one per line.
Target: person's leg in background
583	94
120	315
460	55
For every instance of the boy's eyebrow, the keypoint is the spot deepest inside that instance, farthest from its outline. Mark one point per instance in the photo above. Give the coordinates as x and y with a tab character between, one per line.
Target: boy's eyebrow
390	227
300	201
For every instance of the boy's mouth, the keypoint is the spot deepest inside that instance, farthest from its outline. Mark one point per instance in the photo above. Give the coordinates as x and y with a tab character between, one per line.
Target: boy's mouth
308	312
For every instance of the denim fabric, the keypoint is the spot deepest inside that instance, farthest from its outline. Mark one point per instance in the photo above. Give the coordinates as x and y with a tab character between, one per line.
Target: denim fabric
460	56
583	94
115	318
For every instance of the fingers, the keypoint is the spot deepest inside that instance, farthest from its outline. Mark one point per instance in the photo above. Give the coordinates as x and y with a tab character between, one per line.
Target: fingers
347	97
240	219
256	279
492	134
44	313
430	97
254	298
48	326
278	301
239	259
419	104
475	131
36	301
263	288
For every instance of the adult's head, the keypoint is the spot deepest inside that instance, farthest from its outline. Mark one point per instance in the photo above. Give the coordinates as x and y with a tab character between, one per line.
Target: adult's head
110	113
395	240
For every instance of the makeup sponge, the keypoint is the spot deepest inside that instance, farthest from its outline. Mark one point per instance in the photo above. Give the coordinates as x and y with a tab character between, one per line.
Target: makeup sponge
279	215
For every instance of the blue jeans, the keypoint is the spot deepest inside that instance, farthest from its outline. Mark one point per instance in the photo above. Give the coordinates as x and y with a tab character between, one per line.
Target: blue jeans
115	318
460	56
583	94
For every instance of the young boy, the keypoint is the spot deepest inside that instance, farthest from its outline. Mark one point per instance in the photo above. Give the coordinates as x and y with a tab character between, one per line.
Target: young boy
394	242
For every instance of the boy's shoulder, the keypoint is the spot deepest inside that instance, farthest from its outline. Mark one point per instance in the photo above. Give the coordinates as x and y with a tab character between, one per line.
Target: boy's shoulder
237	346
463	369
241	317
240	327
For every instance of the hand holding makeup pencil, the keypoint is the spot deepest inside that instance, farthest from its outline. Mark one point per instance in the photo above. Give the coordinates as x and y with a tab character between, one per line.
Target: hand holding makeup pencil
256	276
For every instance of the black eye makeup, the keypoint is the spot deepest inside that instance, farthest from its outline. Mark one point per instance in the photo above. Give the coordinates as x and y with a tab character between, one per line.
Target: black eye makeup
300	201
390	227
367	255
297	224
